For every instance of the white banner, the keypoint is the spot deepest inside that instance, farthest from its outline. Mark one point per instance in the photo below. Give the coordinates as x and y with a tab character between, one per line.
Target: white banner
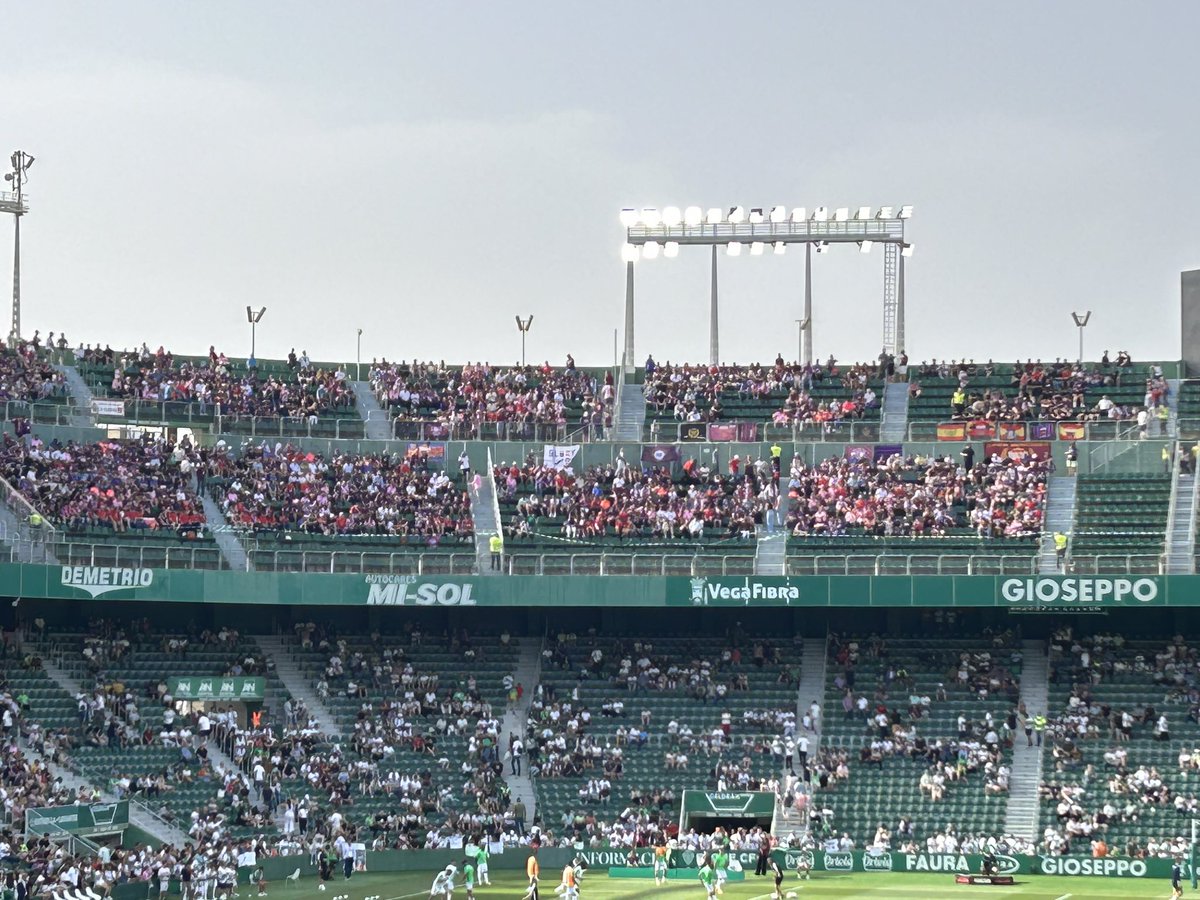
559	457
108	407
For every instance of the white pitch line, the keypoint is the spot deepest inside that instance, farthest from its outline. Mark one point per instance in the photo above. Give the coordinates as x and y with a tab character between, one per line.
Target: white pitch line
1063	897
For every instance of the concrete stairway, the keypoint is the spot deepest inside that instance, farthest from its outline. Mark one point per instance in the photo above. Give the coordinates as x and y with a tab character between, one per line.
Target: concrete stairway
631	414
226	538
483	513
1181	538
376	421
297	683
516	721
1173	405
895	412
1060	515
1021	812
139	814
811	687
81	397
769	554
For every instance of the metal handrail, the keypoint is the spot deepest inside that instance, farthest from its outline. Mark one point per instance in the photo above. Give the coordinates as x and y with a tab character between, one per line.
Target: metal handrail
14	498
1173	503
629	564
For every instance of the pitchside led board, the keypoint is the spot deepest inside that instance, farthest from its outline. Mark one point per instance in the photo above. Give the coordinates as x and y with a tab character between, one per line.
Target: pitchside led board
705	811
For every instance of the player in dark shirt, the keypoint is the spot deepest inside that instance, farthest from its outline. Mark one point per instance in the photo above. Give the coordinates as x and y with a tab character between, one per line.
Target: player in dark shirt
773	865
1176	879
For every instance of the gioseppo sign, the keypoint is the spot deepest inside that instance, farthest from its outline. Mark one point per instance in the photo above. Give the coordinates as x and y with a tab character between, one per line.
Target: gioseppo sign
97	580
1079	590
406	590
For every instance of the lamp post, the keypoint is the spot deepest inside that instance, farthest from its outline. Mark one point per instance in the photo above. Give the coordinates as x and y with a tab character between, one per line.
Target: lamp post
1081	320
13	201
523	327
358	358
801	328
254	316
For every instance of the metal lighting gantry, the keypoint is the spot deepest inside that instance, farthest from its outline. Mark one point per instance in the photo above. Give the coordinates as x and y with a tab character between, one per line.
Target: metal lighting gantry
650	234
16	204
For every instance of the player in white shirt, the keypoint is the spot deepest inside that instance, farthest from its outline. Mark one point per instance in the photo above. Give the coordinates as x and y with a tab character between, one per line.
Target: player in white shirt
444	883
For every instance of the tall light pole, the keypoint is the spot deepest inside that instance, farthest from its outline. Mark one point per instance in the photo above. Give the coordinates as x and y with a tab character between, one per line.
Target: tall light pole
523	327
254	316
358	358
13	201
802	329
1081	320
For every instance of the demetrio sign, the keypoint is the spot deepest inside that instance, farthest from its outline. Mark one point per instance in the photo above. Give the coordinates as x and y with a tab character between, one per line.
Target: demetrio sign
1066	593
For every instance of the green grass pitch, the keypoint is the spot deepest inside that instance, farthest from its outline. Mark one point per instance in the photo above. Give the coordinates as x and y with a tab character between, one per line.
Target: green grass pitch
510	885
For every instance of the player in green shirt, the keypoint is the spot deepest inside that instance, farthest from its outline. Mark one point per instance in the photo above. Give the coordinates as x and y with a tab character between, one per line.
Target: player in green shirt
469	878
708	878
721	864
481	866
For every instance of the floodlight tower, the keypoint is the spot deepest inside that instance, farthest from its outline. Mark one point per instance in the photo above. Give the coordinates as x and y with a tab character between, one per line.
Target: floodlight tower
650	234
14	202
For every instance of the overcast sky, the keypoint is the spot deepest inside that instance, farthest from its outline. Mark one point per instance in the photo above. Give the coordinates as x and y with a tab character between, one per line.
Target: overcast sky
427	171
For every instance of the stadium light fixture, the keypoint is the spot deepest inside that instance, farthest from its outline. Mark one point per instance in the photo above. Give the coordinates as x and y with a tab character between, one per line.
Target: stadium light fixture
714	217
651	217
780	248
756	248
254	316
905	212
650	250
630	217
799	214
864	213
630	253
671	216
865	246
670	249
841	214
820	214
1081	321
14	202
779	214
756	216
523	326
737	215
733	248
821	246
906	250
885	212
693	216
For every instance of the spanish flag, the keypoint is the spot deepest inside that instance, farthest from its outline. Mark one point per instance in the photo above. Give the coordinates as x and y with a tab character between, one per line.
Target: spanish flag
951	431
1072	431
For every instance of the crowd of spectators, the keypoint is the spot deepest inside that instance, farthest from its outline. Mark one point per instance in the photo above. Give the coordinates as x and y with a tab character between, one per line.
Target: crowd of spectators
463	400
286	488
632	502
119	484
917	496
217	385
694	393
25	377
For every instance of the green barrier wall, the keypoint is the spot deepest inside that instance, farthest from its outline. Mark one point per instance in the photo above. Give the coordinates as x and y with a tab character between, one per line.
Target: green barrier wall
959	863
888	591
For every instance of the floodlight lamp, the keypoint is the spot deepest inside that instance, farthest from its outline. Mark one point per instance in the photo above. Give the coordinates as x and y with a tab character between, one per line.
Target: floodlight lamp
779	214
756	248
733	248
821	214
737	215
864	212
865	246
650	249
1081	319
630	253
629	217
693	215
651	217
821	246
799	214
841	214
756	216
906	212
780	248
906	249
671	216
255	316
885	212
713	217
671	249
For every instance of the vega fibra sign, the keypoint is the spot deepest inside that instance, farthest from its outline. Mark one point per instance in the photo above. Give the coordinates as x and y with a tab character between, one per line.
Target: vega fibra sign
89	819
1061	593
970	863
207	687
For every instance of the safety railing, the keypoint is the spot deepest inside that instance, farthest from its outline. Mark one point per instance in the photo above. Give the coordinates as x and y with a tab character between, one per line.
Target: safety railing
801	563
367	562
408	430
50	549
631	563
212	416
16	501
1117	564
38	413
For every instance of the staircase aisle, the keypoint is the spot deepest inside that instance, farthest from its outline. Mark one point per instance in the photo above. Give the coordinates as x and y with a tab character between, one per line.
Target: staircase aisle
1021	813
1181	541
227	539
516	721
631	414
81	397
297	683
895	412
769	554
1060	516
788	822
483	514
376	422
